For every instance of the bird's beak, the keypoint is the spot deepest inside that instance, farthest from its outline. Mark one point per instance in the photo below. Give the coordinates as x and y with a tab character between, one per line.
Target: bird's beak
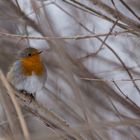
39	52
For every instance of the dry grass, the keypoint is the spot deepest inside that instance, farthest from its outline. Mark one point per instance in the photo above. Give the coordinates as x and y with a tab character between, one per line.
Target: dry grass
93	69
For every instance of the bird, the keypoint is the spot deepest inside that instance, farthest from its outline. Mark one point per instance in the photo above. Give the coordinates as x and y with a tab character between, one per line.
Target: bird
28	73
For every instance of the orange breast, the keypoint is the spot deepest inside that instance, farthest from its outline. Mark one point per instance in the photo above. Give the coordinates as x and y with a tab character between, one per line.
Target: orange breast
32	64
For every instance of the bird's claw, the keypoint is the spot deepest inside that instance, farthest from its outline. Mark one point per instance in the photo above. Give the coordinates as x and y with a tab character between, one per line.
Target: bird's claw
31	96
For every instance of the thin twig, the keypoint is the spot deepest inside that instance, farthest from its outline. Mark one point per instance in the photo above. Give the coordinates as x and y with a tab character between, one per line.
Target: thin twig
89	10
48	117
125	95
117	14
111	80
130	9
17	108
76	37
106	37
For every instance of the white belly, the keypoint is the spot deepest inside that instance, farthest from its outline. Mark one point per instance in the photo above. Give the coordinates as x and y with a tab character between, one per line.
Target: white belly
31	84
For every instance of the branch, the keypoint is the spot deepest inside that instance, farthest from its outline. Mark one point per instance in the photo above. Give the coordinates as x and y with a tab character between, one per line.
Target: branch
130	9
117	14
49	118
16	106
76	37
109	80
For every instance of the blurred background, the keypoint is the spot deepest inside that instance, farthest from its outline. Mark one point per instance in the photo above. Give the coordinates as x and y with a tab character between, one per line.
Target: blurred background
91	50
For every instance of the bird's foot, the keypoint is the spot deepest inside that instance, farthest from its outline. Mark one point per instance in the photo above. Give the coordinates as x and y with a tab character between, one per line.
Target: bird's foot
23	91
31	96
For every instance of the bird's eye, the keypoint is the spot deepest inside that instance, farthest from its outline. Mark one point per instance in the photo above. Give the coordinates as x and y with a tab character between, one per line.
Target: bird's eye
29	54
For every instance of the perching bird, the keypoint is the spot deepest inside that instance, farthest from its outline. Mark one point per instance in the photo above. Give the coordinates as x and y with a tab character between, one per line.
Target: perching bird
28	73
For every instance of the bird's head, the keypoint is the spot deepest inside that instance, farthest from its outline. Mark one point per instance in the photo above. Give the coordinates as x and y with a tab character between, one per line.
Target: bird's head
31	61
29	53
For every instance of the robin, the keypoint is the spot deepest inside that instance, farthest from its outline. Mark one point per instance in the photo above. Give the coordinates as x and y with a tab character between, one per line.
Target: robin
28	73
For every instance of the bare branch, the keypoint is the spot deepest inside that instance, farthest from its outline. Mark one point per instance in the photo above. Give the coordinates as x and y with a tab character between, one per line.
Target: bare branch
76	37
17	107
49	118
